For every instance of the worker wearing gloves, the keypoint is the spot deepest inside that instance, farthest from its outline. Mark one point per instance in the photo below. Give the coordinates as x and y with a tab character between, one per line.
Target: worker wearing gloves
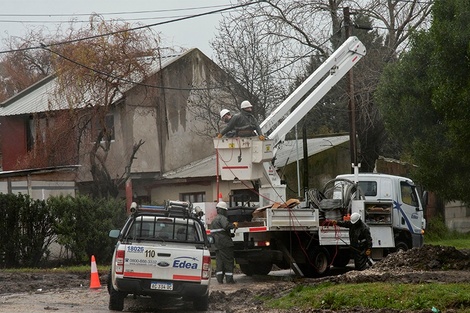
244	123
220	229
360	240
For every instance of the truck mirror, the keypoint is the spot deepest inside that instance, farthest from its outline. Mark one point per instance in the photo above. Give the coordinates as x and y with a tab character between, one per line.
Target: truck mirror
425	199
210	239
114	233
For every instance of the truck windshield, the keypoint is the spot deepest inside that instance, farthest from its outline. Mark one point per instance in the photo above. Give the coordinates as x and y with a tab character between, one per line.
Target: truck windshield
408	194
165	229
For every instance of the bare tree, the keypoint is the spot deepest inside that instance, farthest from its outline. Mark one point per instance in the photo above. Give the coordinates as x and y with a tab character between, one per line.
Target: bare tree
94	66
23	66
314	28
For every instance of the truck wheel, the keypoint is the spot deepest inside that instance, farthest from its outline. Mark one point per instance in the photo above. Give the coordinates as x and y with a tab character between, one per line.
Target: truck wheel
116	300
262	268
247	269
202	303
401	246
320	261
109	285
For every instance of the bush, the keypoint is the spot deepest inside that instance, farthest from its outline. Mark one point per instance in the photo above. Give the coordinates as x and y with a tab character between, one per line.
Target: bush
25	230
80	224
83	224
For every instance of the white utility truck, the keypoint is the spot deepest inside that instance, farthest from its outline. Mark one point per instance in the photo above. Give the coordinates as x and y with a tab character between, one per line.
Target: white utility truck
161	251
296	235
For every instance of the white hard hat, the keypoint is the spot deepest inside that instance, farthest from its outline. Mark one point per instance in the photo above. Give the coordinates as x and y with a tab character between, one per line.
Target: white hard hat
221	205
355	217
223	112
246	104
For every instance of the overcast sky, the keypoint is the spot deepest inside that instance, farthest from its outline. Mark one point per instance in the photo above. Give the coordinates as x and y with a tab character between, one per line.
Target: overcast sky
18	15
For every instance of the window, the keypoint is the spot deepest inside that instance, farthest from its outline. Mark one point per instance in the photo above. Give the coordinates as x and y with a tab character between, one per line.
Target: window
243	197
107	128
408	194
368	188
157	228
193	197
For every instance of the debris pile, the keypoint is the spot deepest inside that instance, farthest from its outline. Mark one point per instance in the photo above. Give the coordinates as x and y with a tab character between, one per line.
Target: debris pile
427	258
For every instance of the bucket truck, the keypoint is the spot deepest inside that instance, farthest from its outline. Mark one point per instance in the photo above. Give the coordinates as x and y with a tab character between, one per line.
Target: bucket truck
291	234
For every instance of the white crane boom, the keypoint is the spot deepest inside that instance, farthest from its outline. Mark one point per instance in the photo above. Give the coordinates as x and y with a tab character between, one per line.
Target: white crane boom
335	67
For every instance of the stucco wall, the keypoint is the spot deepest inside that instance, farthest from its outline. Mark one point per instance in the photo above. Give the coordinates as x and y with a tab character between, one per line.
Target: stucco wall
159	116
457	216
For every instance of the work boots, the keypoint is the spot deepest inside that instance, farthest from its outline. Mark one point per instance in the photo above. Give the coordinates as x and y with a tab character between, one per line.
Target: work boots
220	278
229	279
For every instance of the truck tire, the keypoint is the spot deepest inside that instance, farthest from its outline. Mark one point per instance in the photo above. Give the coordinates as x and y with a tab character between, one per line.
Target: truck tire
401	246
109	285
202	303
116	300
262	268
247	269
251	268
319	262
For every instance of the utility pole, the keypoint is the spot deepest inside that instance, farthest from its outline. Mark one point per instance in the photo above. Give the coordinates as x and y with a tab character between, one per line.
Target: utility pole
350	90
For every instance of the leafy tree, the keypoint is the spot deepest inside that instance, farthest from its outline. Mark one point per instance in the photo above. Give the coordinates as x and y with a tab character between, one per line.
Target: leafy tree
425	100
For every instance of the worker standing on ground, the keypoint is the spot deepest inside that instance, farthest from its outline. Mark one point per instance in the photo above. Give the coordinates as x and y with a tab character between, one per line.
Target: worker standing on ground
244	123
226	116
360	240
220	229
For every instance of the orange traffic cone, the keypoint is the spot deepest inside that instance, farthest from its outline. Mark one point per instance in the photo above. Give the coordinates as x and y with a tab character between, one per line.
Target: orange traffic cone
94	279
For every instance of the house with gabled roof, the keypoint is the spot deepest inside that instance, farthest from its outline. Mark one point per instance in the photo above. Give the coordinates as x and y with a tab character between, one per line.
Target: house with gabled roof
155	112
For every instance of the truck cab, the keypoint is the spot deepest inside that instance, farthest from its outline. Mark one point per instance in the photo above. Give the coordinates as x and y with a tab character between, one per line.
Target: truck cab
407	212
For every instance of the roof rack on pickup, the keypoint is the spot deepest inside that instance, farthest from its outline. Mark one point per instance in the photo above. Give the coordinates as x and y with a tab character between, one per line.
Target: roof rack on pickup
169	209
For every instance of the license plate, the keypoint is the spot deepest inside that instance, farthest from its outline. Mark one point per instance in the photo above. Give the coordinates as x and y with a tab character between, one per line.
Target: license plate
161	286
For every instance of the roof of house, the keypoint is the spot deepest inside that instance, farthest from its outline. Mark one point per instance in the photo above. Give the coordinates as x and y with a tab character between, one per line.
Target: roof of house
38	98
285	156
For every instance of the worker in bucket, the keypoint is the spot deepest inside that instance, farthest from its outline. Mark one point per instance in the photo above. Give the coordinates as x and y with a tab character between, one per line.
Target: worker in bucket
226	116
244	123
221	230
360	240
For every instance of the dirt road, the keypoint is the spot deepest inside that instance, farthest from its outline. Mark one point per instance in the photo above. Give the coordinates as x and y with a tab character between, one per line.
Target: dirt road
70	293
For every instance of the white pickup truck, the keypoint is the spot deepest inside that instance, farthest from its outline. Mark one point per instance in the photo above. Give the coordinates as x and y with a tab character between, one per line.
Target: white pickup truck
161	250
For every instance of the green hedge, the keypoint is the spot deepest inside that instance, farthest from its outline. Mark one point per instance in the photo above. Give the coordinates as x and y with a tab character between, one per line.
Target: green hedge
80	224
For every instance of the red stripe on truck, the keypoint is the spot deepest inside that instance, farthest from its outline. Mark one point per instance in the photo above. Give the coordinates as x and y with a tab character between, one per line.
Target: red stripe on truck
187	277
255	229
235	167
137	274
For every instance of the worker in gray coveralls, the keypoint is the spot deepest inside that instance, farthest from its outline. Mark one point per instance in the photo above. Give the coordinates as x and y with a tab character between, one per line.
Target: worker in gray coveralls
220	229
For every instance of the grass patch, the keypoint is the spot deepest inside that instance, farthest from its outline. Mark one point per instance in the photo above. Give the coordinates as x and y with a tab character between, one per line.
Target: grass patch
377	296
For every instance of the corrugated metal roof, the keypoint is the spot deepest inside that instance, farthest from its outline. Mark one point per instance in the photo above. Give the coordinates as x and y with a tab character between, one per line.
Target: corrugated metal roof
288	152
287	155
39	96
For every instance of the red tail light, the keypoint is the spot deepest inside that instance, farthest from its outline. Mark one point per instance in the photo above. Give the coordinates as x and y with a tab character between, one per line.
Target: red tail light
206	267
119	260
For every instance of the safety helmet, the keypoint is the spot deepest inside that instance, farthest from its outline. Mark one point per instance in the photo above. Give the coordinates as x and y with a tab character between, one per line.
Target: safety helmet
246	104
355	217
221	205
223	112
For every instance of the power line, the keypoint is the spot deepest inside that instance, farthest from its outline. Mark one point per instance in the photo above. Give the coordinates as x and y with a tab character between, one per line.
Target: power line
133	28
116	13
